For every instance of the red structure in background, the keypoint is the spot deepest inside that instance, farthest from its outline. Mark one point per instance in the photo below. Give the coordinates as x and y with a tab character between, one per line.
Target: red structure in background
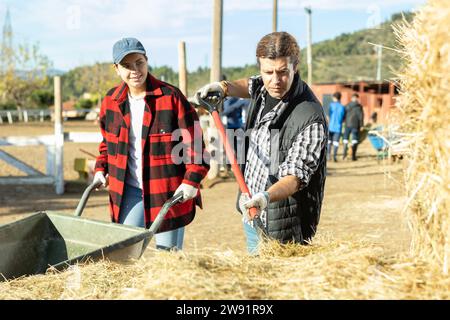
374	96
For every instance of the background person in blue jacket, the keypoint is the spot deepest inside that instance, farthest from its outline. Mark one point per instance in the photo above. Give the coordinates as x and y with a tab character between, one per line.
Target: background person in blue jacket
233	110
337	115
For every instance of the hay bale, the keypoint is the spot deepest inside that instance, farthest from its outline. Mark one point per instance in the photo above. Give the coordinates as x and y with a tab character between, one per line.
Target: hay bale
425	103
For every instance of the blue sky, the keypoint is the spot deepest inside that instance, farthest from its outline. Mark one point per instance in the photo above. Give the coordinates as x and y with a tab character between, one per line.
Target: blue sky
79	32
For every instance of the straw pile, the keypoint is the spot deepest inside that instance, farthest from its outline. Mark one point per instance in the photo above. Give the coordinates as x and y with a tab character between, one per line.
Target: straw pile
425	103
324	270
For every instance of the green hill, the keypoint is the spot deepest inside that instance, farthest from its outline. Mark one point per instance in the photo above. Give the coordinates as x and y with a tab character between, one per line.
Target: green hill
352	56
348	57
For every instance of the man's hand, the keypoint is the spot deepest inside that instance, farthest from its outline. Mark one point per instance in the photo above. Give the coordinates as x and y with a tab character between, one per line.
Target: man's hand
100	180
189	192
203	92
244	198
258	201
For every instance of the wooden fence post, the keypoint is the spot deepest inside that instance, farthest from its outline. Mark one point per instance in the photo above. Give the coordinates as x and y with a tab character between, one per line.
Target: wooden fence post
59	139
182	72
10	119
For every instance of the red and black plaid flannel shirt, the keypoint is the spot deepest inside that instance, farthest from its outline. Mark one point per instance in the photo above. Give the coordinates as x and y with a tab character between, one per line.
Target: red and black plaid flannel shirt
166	110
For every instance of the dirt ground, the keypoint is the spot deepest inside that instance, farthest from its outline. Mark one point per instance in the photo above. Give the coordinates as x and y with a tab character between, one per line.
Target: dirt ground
363	199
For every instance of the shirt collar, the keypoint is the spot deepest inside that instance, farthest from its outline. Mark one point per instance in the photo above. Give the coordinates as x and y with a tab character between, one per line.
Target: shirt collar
269	116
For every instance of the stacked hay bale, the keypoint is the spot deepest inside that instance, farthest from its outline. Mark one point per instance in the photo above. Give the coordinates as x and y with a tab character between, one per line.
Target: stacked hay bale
425	102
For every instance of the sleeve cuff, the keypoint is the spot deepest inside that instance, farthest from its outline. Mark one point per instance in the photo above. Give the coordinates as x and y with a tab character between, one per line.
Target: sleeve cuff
296	172
193	178
191	183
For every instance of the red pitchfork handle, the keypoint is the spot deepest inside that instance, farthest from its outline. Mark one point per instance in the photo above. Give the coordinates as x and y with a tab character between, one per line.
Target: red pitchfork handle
212	108
232	158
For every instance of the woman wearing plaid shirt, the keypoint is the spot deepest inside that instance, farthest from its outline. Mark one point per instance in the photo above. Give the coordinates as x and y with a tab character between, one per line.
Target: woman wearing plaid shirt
285	157
138	119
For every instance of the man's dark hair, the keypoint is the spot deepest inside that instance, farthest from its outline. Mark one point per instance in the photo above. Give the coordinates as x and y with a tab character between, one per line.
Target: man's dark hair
277	45
337	95
355	95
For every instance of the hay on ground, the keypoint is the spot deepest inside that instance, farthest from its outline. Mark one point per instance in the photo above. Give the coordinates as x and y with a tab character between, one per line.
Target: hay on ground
324	270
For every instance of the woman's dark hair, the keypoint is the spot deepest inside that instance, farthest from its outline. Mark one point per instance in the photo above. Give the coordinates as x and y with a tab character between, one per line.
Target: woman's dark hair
277	45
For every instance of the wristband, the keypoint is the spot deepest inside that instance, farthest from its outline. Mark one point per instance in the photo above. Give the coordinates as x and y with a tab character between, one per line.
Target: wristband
267	195
224	85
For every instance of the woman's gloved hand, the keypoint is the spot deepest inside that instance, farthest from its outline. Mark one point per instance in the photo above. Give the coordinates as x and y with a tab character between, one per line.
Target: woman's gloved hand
189	192
100	180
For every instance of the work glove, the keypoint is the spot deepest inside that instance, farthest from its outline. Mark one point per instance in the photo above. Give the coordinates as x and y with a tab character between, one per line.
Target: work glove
258	201
99	179
245	212
189	192
203	92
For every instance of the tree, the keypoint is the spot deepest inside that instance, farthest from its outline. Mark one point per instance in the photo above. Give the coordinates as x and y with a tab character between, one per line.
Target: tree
27	74
96	80
42	98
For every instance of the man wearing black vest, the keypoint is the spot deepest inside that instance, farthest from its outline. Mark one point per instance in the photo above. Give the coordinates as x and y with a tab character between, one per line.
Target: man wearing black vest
285	153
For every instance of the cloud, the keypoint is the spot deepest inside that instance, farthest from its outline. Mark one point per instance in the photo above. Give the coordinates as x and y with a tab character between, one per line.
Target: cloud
119	15
258	5
89	27
104	21
115	16
112	17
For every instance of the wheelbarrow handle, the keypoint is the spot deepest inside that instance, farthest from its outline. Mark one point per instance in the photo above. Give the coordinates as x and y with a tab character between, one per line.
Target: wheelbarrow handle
85	197
162	213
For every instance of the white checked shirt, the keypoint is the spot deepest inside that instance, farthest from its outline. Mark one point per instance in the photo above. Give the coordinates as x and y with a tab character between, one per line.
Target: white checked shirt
303	156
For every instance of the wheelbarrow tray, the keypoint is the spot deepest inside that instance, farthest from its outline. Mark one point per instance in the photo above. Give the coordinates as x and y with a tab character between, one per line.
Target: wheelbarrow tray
50	239
377	142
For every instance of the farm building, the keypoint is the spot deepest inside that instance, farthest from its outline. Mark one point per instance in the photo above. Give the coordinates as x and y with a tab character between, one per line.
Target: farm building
374	96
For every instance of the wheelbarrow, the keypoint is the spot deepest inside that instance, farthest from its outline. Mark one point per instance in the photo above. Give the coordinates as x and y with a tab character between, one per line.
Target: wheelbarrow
390	143
379	143
49	239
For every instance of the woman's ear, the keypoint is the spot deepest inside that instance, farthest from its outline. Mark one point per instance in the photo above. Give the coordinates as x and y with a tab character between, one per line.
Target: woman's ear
116	68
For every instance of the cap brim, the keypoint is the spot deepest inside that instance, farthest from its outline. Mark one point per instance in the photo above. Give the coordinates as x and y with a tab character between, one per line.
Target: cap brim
119	60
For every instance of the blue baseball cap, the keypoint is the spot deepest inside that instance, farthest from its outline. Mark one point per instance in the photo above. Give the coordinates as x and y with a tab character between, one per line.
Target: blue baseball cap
126	46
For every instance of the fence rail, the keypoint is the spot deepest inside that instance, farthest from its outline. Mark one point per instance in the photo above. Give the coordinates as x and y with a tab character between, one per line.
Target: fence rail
54	144
11	116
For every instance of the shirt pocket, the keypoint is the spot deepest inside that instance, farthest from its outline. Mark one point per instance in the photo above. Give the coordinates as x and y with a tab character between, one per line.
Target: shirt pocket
161	145
112	139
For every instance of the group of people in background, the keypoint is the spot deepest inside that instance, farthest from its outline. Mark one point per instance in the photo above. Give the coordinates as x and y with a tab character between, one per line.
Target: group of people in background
352	118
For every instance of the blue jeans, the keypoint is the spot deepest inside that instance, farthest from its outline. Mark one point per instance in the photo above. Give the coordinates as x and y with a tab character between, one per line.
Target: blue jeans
334	137
132	214
355	135
252	238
